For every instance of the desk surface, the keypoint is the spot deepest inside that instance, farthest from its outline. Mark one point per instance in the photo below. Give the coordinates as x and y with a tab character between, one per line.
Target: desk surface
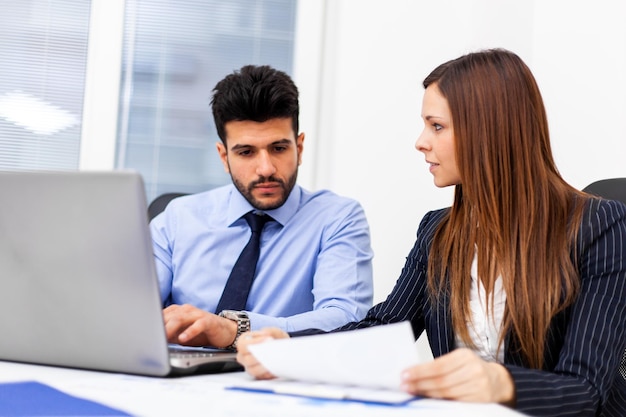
207	394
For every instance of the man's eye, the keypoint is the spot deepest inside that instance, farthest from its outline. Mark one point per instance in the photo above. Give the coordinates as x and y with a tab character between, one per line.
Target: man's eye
280	148
244	153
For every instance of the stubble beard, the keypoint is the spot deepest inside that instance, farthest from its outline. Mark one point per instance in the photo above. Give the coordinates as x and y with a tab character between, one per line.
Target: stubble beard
247	191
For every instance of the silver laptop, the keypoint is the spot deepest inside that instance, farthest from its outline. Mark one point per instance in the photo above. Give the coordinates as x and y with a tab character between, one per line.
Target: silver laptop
78	280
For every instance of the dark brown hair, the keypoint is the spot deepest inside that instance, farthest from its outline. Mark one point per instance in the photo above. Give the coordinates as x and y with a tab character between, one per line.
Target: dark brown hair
255	93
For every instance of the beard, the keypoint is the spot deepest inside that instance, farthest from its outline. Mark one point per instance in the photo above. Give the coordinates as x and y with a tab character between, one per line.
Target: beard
285	190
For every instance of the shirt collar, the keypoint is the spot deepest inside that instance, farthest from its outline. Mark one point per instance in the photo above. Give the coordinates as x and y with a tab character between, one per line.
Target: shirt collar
238	206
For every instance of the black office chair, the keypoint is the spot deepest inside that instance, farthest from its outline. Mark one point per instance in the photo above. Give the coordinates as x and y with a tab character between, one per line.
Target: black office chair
158	204
612	189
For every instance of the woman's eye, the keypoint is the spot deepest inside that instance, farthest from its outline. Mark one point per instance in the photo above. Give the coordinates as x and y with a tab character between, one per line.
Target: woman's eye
437	126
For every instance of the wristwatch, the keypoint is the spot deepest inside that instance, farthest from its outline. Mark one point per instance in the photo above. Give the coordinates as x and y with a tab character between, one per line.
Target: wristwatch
242	320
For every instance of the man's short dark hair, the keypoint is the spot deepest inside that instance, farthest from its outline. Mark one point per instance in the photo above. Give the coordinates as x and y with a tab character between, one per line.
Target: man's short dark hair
256	93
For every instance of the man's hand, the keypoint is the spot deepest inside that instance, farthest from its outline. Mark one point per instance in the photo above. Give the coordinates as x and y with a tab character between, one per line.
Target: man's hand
247	359
461	375
191	326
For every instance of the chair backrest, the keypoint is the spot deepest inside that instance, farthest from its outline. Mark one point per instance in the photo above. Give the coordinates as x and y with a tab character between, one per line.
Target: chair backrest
612	189
158	204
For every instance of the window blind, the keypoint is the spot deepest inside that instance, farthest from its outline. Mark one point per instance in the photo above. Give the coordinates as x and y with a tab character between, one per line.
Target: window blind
43	57
175	51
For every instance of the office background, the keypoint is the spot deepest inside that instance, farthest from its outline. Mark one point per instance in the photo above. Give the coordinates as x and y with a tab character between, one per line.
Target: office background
358	64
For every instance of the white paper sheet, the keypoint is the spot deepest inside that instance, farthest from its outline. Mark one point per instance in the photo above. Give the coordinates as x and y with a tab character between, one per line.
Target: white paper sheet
369	358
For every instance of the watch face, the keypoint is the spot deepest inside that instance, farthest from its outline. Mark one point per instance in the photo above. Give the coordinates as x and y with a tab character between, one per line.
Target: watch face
234	314
243	323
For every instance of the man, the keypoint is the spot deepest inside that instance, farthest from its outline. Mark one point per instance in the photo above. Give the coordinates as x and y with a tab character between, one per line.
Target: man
314	267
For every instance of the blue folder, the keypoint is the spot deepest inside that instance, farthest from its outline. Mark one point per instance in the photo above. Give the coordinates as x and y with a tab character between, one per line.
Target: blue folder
35	399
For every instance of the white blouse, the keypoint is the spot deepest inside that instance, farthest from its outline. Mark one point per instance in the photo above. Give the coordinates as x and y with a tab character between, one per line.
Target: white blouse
484	330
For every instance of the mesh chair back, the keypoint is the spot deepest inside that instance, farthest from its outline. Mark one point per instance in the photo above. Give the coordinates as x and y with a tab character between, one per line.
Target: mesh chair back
612	189
158	204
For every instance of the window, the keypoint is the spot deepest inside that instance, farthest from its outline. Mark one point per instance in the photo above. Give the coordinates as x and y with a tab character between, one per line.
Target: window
43	57
174	53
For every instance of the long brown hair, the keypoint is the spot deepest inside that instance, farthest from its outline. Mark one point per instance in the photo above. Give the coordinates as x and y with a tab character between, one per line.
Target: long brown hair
512	209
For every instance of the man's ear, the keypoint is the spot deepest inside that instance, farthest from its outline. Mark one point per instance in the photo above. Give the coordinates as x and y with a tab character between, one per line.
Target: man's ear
223	153
300	146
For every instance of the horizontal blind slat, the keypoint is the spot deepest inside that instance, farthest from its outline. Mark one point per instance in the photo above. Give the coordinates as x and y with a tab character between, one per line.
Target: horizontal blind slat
42	72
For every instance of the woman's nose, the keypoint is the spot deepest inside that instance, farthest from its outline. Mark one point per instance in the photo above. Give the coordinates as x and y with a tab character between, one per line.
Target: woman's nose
421	143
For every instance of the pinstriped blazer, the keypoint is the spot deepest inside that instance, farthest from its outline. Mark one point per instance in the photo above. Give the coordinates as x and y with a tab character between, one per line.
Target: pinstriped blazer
585	343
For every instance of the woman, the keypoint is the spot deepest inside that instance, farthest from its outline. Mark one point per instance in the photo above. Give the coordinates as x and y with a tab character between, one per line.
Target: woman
521	284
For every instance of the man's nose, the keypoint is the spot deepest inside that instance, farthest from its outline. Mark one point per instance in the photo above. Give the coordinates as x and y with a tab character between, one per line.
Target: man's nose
265	165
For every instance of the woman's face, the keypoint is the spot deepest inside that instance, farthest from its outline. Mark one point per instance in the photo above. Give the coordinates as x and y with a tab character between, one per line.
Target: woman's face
437	139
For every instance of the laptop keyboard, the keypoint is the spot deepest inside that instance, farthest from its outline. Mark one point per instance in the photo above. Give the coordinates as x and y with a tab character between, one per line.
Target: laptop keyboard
191	352
210	359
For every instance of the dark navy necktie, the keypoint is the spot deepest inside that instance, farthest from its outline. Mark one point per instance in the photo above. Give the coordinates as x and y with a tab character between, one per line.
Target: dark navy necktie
240	280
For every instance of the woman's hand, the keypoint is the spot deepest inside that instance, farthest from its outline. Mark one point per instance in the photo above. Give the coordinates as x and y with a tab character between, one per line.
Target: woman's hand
460	375
247	359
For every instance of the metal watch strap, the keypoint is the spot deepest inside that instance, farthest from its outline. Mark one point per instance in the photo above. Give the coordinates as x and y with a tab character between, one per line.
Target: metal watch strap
243	323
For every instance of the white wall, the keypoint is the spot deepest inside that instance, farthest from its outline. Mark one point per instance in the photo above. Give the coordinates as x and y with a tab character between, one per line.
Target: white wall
359	66
366	63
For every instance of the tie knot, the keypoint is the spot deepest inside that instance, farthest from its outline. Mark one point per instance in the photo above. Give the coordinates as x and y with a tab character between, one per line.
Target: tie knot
256	221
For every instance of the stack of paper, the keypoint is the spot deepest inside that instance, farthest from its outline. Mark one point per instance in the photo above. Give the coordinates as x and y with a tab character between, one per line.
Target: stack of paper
363	365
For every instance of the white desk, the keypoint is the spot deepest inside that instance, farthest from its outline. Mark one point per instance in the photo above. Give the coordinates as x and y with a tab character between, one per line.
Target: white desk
206	395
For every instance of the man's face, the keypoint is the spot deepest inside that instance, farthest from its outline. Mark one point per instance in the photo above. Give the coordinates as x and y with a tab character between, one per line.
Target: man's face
262	159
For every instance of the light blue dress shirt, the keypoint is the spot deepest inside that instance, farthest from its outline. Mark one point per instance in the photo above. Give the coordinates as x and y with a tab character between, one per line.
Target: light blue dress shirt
314	269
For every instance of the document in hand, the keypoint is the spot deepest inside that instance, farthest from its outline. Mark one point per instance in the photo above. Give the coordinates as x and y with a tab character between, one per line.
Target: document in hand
363	365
